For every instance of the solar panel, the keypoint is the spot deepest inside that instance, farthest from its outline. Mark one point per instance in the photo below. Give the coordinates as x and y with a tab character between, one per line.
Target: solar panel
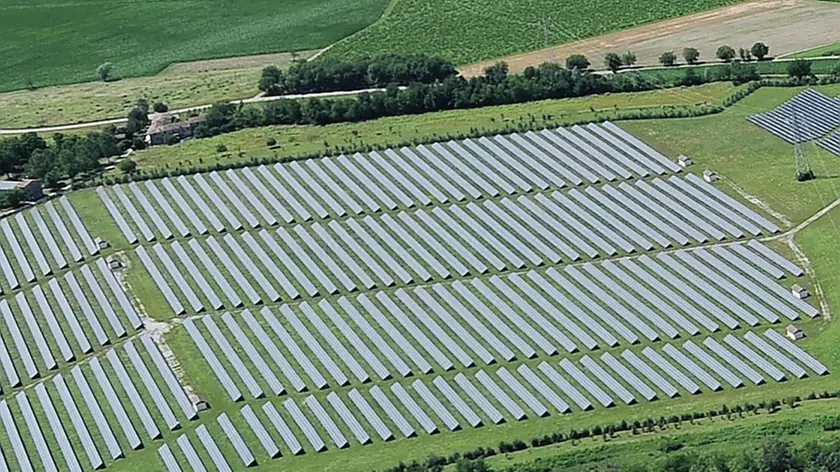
233	358
732	203
115	404
192	457
616	209
797	352
255	358
345	180
499	167
500	326
692	367
79	426
214	273
625	374
734	361
175	390
362	177
273	353
267	195
216	366
17	251
608	380
413	408
168	459
529	399
776	259
450	240
666	214
303	256
112	210
396	417
333	342
539	228
70	317
179	279
713	364
217	201
251	198
450	173
542	164
581	214
34	431
81	300
560	227
384	182
14	437
52	323
8	272
20	344
496	392
370	415
57	256
363	254
253	270
594	154
56	427
416	193
199	203
500	230
440	410
287	263
459	163
304	177
523	233
672	371
343	256
734	259
329	425
487	236
610	152
182	204
167	208
417	176
93	407
651	374
303	423
355	427
212	450
642	214
649	151
356	341
433	174
434	328
150	211
371	244
415	247
774	354
570	154
161	283
623	229
197	276
410	328
129	207
628	150
478	398
259	431
313	345
287	196
34	330
588	384
273	269
236	441
290	344
716	208
131	393
392	332
486	335
316	169
543	389
686	211
233	270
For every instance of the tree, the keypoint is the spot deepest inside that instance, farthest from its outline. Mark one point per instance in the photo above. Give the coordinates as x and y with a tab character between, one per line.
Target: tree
725	53
13	198
577	61
668	58
104	71
777	456
760	50
160	107
799	69
628	59
612	61
497	73
691	55
127	166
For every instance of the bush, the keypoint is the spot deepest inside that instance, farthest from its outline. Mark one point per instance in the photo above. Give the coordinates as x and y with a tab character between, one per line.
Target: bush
127	166
760	50
271	142
628	59
668	58
104	71
612	61
160	107
725	53
577	62
221	148
690	55
799	69
171	139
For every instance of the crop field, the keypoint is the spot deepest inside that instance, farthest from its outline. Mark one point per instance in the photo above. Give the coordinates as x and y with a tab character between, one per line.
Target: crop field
357	311
48	44
475	30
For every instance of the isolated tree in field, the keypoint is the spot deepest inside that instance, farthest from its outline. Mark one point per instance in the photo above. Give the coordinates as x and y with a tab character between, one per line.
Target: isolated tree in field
668	58
160	107
799	69
628	58
612	61
577	61
104	71
725	53
497	73
760	50
691	55
127	166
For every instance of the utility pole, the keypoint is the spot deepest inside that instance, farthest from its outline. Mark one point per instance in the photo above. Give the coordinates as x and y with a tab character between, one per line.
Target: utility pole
546	24
800	160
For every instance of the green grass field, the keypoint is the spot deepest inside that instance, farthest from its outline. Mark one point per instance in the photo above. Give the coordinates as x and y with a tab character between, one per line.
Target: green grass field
51	43
475	30
827	50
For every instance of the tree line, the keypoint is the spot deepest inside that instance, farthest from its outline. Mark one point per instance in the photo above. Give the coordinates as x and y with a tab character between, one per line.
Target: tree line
328	75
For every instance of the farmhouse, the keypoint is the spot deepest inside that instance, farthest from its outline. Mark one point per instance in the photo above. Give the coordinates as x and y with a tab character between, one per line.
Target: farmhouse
164	124
31	188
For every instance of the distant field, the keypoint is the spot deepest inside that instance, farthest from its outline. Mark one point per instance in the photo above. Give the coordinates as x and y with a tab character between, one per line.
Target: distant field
827	50
55	43
473	30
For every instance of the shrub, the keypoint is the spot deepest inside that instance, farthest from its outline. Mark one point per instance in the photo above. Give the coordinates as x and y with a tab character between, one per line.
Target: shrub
271	142
221	148
725	53
760	50
668	58
628	59
577	62
691	55
612	61
171	138
799	69
104	71
127	166
160	107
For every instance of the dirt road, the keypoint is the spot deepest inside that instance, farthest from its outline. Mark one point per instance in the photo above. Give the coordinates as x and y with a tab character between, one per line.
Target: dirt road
784	25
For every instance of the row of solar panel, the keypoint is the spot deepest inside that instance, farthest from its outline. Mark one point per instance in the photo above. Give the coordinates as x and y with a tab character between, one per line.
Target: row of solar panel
479	399
31	262
130	404
505	318
487	168
831	143
809	115
56	340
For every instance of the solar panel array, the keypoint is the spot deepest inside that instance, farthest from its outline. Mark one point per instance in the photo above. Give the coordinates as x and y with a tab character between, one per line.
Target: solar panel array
831	143
809	115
